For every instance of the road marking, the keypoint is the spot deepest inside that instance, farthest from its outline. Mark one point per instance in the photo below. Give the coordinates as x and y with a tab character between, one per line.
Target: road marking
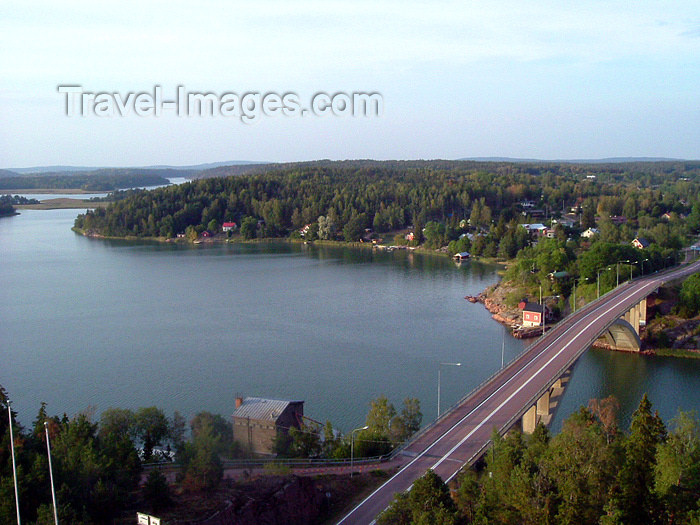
653	283
523	385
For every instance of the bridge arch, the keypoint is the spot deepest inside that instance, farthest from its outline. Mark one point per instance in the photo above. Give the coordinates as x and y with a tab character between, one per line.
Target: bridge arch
621	335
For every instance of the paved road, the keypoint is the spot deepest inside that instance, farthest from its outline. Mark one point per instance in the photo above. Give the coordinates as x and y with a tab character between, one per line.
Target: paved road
460	436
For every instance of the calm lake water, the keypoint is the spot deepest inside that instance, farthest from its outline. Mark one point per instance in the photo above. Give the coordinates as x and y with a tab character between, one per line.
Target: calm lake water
99	323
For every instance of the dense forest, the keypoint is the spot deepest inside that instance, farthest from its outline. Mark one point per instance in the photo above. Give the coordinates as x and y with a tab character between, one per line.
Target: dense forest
590	473
98	180
454	206
104	470
393	195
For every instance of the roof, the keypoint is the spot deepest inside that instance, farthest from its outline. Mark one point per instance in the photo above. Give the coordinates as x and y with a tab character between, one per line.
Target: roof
559	275
533	307
229	224
262	409
535	226
463	255
641	240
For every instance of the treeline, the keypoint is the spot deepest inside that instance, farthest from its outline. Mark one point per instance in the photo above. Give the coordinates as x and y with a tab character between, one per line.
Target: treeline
98	180
590	473
98	466
355	195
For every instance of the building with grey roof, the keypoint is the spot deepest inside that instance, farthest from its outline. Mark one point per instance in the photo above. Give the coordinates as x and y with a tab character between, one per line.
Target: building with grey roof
257	422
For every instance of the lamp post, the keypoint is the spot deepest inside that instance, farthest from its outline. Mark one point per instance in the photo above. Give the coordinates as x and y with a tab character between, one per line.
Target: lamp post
14	467
441	364
53	490
617	271
352	446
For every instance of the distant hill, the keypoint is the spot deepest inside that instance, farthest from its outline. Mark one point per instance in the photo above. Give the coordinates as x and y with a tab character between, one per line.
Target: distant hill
36	170
8	173
98	180
609	160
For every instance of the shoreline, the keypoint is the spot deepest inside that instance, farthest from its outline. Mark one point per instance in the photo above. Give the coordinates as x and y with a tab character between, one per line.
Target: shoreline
58	191
505	316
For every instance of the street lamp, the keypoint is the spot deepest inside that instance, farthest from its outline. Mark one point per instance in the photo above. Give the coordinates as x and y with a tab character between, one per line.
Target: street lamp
352	446
53	491
441	364
598	280
617	266
14	467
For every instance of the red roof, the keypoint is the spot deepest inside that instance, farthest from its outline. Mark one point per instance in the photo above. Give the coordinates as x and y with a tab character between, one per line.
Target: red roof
229	225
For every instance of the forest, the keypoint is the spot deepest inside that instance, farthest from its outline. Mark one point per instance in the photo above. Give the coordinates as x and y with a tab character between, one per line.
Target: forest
592	472
387	197
98	180
108	468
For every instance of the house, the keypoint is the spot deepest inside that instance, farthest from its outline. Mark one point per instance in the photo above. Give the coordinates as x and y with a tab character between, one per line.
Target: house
257	422
666	216
640	243
536	230
590	232
303	231
461	256
228	226
618	220
205	233
532	314
566	221
532	213
409	236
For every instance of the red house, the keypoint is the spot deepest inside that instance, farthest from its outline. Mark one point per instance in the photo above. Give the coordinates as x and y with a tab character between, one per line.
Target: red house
205	233
228	226
532	314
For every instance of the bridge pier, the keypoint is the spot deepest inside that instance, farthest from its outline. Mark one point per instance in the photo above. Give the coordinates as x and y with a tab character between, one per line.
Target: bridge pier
543	410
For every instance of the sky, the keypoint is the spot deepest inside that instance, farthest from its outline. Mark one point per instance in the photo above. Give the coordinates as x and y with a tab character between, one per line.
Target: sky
529	79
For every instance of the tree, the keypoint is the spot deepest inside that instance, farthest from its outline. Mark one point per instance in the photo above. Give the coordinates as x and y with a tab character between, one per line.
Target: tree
428	502
409	421
635	500
249	227
220	427
326	228
213	226
689	297
305	441
203	470
355	228
117	422
435	234
156	491
677	470
151	427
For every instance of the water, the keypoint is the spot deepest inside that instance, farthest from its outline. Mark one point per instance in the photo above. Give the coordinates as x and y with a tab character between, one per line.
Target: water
99	323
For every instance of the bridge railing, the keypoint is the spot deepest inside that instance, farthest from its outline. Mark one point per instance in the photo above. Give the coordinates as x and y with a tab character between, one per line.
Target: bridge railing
533	400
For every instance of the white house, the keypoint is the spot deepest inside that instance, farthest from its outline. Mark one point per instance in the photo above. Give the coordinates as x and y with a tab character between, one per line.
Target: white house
590	232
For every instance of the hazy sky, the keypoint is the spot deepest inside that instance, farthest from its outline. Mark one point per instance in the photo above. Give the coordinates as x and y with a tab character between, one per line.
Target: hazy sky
557	79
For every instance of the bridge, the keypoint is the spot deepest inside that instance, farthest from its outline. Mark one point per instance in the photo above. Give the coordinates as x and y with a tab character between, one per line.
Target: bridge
519	393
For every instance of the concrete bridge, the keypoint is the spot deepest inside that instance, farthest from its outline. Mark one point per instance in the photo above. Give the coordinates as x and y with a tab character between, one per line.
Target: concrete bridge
523	393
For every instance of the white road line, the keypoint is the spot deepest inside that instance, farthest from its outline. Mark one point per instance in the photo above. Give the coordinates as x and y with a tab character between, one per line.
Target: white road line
523	385
654	283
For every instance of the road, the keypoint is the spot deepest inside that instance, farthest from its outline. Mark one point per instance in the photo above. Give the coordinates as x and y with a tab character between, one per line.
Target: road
460	436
